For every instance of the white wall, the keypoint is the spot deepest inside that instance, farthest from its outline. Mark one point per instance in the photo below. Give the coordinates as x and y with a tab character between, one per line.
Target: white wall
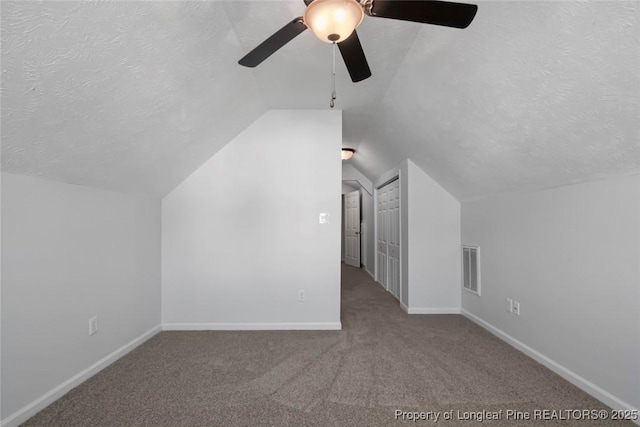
240	236
70	253
347	188
571	257
434	245
430	242
351	175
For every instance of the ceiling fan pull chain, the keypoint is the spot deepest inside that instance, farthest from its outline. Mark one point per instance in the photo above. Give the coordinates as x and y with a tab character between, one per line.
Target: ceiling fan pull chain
333	78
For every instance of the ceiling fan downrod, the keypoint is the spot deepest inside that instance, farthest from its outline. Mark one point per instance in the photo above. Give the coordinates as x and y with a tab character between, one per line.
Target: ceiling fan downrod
333	77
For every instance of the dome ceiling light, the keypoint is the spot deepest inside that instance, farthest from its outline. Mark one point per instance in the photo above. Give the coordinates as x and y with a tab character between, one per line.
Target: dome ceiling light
347	153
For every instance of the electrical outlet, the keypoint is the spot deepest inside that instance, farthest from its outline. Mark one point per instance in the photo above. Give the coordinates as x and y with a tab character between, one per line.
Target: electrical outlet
516	308
301	295
509	305
93	325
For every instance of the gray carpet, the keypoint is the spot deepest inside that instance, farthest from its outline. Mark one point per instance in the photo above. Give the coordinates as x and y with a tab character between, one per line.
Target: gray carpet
383	360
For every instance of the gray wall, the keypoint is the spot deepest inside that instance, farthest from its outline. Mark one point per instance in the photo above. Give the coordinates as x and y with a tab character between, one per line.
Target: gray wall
433	254
241	238
430	242
571	257
348	188
70	253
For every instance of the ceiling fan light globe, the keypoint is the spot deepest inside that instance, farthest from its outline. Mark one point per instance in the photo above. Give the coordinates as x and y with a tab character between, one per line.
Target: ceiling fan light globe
328	18
347	153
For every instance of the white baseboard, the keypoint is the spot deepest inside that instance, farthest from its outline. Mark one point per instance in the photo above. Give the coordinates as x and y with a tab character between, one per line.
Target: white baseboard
251	326
51	396
423	310
370	273
575	379
434	310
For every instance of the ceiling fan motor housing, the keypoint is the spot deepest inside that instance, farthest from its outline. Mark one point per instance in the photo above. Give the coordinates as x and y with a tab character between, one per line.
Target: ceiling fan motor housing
333	21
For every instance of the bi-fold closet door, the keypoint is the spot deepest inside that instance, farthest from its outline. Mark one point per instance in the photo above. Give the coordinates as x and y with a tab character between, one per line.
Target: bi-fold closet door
352	229
388	231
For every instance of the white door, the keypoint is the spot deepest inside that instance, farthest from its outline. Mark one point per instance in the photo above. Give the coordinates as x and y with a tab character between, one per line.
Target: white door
381	224
352	228
393	245
388	244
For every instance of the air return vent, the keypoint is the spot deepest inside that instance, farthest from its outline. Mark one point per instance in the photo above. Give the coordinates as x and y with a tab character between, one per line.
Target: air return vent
471	269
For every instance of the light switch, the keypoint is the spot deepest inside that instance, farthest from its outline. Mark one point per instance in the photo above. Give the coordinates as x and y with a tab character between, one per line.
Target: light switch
324	218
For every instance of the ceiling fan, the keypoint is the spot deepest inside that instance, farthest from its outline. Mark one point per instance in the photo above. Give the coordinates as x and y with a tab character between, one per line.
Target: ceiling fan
335	21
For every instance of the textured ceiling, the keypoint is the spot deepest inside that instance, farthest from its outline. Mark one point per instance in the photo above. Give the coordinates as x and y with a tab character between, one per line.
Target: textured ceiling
126	95
532	95
134	96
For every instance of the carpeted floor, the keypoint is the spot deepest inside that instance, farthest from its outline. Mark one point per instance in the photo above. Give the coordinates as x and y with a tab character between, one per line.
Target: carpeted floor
382	361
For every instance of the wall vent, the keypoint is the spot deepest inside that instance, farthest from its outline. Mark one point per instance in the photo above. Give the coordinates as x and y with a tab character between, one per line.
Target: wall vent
471	269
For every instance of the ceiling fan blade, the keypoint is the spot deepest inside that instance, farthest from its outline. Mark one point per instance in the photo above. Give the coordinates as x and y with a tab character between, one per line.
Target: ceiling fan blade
447	14
268	47
354	58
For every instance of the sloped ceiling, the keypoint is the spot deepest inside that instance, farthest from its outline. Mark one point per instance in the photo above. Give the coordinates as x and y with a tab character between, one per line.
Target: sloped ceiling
125	95
532	95
134	96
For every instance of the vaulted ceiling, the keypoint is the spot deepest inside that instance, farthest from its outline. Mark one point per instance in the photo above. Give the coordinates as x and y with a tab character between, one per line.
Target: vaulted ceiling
134	96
